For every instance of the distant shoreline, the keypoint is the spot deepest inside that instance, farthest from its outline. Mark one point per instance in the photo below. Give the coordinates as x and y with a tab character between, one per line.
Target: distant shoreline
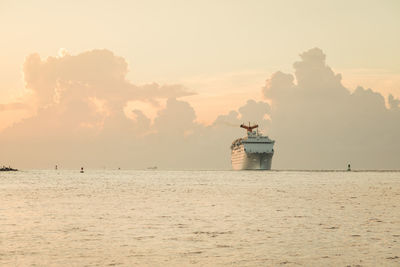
183	170
336	170
7	169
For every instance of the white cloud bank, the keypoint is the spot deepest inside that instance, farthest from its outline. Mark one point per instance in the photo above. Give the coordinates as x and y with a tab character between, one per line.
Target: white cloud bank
318	123
81	120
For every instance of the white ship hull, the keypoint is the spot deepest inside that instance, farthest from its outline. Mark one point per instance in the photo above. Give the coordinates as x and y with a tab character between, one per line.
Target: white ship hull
242	160
252	152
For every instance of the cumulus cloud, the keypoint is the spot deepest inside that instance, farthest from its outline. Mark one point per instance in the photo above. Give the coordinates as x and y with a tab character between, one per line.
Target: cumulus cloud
87	90
89	114
254	112
318	123
96	73
177	118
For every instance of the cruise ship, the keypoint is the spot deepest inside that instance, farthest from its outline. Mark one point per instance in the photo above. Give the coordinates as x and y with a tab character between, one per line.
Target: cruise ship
253	152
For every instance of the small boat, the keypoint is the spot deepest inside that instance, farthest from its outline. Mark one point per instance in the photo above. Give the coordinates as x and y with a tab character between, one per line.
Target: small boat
152	168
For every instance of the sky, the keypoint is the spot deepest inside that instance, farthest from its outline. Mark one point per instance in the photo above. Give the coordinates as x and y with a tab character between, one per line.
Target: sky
209	57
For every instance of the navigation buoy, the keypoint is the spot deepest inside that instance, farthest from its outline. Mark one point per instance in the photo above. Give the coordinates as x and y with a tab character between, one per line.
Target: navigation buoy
348	167
82	170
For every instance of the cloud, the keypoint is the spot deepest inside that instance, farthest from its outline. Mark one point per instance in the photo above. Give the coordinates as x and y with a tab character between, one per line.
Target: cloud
318	123
394	104
13	106
177	118
254	112
387	82
96	73
89	114
86	90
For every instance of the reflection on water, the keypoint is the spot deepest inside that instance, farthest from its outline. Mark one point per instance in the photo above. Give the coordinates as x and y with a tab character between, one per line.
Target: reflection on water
154	218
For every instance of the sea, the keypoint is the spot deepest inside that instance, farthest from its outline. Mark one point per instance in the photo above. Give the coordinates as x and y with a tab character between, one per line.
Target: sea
199	218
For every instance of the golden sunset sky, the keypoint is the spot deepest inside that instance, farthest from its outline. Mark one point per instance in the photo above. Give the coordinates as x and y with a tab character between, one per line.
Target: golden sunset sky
111	80
223	50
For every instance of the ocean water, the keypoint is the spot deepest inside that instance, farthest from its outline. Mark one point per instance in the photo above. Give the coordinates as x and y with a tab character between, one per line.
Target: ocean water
205	218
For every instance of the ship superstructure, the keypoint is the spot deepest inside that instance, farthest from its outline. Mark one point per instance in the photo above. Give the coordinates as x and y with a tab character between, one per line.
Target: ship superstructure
253	152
